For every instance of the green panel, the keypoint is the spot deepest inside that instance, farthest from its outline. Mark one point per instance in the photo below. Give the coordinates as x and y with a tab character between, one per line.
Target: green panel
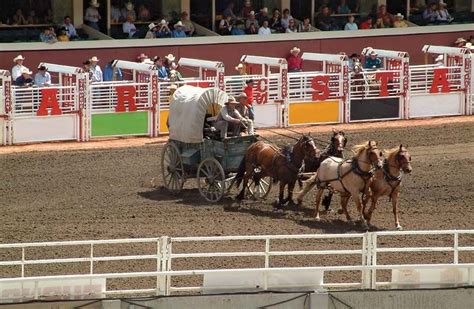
131	123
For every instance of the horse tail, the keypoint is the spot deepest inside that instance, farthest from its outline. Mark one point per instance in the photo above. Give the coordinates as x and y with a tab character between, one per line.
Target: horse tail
240	172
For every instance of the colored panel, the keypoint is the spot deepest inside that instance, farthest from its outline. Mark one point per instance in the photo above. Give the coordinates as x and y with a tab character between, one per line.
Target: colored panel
163	120
314	112
367	109
115	124
267	115
435	105
47	128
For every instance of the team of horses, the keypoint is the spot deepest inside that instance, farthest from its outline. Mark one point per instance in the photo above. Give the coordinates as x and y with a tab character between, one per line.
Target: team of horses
368	175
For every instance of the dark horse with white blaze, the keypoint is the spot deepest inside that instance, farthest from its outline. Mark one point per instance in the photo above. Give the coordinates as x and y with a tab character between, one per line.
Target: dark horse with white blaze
334	149
282	164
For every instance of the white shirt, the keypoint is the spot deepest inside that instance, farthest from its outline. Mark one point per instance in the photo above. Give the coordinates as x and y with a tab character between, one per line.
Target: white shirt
264	31
228	114
92	15
127	27
96	73
16	71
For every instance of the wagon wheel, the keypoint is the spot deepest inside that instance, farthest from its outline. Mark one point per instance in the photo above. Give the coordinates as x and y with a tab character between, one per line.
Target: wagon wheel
260	191
211	180
172	169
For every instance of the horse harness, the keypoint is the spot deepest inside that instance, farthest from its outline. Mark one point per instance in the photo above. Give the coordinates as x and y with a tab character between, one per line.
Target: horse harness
389	178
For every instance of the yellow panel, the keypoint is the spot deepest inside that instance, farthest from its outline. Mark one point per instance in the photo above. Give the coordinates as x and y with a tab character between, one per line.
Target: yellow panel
314	112
163	119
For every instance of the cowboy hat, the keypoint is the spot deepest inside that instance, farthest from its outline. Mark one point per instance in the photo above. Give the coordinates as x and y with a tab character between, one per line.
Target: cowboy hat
42	68
170	57
94	3
129	5
400	15
95	59
264	10
163	22
151	26
439	58
295	49
239	66
19	57
232	100
25	71
252	13
179	24
442	3
459	40
142	56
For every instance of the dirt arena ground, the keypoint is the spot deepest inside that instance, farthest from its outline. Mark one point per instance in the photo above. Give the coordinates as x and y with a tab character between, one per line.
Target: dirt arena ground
117	193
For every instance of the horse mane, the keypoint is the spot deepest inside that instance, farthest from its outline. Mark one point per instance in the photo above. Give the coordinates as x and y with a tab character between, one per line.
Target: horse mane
357	149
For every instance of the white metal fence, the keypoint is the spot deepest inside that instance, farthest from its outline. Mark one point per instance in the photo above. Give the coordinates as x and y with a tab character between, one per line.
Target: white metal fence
155	262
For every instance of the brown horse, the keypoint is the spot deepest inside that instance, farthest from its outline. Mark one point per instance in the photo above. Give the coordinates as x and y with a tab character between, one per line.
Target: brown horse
387	181
348	177
334	149
282	165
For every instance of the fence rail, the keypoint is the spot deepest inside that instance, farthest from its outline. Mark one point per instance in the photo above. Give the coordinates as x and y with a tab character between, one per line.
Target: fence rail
163	256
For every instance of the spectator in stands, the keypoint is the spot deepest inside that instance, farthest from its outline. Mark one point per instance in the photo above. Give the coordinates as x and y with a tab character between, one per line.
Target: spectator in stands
460	42
353	59
367	24
238	28
62	36
160	68
32	19
42	77
24	79
324	20
16	70
92	16
229	11
19	18
429	14
355	7
343	8
387	18
141	58
292	28
295	63
129	10
95	70
151	33
241	69
351	25
285	19
86	67
379	24
115	14
129	28
253	29
112	73
143	13
71	30
275	22
169	59
399	21
225	25
163	30
245	13
442	14
48	36
264	29
251	20
248	90
416	7
305	26
188	24
178	31
373	62
263	16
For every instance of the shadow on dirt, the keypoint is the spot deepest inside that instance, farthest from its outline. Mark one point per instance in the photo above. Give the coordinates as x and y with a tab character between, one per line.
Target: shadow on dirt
190	197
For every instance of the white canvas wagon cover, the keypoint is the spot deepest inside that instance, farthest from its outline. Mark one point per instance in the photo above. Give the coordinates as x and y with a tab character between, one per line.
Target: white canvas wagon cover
188	108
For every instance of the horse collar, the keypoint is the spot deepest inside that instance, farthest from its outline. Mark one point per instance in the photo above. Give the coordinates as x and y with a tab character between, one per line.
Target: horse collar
386	173
358	171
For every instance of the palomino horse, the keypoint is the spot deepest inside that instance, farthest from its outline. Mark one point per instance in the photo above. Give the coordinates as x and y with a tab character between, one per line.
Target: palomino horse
348	177
282	165
334	149
387	181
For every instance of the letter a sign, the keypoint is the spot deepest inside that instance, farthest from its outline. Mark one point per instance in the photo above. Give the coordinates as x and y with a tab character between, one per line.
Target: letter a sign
49	101
125	94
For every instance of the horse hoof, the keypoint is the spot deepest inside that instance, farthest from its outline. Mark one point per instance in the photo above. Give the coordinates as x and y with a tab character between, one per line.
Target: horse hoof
317	218
365	226
399	228
329	210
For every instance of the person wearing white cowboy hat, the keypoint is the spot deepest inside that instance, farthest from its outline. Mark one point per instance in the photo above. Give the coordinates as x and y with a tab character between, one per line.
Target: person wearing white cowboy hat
442	14
399	22
439	61
129	10
373	62
25	78
163	29
251	20
263	16
295	63
151	33
92	15
16	70
460	42
230	118
96	72
178	31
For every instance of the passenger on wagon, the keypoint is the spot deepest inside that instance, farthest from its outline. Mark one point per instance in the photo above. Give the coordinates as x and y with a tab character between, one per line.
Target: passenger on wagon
373	62
230	118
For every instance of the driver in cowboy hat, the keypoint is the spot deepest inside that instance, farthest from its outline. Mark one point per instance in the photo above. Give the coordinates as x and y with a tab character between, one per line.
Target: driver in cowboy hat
229	117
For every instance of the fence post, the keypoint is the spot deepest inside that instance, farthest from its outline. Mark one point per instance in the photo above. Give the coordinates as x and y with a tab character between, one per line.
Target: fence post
365	261
267	263
373	261
456	247
165	265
